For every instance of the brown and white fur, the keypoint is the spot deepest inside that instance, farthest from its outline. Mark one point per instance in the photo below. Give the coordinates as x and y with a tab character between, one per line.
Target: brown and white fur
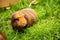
23	18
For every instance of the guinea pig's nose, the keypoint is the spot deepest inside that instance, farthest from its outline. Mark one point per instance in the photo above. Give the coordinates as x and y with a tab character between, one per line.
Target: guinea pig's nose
23	25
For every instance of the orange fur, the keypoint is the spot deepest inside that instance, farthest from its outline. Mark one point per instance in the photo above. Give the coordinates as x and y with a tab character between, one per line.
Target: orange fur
7	3
2	36
23	17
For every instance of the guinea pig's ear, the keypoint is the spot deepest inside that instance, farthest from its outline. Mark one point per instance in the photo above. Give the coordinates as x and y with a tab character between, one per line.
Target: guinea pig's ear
26	17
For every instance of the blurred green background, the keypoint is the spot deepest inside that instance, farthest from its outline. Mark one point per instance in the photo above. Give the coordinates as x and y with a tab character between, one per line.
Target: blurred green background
47	26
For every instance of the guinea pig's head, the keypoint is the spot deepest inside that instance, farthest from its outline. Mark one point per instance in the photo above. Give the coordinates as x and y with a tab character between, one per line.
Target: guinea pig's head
19	20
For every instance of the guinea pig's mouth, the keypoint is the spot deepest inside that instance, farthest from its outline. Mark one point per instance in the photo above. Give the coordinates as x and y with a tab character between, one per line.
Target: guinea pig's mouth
23	25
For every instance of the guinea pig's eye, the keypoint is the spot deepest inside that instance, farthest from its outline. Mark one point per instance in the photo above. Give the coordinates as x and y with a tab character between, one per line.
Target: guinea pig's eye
16	19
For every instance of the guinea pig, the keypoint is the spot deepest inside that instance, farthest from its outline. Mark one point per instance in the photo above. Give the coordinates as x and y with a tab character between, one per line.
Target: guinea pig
7	3
2	36
23	18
